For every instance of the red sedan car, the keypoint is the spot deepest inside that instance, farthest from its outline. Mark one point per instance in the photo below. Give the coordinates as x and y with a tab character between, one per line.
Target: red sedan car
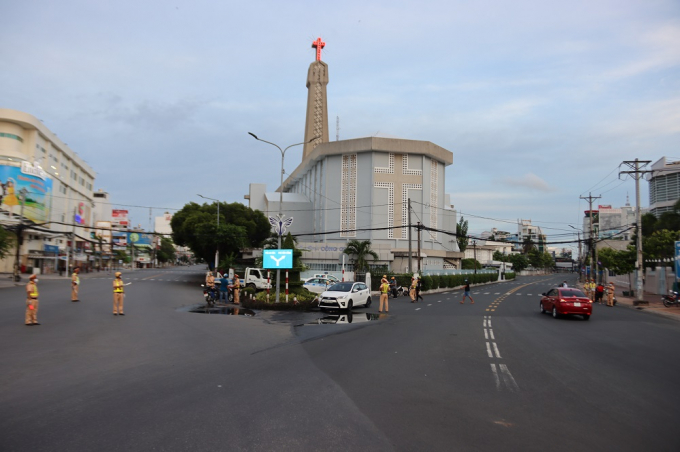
566	300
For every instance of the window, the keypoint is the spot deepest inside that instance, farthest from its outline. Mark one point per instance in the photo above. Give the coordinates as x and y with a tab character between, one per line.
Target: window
12	136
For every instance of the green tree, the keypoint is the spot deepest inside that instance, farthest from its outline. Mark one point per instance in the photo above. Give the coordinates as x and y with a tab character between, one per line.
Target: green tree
528	245
167	251
195	226
519	262
470	264
6	242
361	250
462	234
498	256
620	262
660	245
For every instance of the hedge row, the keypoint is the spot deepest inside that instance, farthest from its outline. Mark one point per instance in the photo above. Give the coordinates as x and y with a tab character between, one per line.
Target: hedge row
441	281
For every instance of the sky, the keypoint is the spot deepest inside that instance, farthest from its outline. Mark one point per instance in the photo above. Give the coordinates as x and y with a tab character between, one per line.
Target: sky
539	101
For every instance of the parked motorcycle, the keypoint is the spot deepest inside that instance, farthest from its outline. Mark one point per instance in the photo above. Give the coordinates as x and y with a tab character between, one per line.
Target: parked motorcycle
671	299
398	292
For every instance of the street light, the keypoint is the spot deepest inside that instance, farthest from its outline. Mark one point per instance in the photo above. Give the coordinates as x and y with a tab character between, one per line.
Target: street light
578	232
217	246
283	154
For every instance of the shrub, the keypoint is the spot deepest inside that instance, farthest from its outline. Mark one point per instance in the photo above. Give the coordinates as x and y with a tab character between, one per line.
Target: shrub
436	281
510	275
427	283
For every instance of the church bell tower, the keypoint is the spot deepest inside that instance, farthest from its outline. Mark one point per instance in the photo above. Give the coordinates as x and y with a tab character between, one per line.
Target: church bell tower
316	122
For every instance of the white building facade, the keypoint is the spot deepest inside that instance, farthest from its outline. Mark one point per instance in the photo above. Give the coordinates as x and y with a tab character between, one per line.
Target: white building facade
47	186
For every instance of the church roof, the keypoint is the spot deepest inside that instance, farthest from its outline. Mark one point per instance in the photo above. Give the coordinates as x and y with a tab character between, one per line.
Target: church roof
371	144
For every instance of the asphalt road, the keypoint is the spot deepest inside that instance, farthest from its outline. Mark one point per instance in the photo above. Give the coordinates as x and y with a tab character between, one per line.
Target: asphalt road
422	378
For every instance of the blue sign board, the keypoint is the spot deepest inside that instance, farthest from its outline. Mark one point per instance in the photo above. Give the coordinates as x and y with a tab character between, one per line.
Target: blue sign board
677	258
278	259
51	249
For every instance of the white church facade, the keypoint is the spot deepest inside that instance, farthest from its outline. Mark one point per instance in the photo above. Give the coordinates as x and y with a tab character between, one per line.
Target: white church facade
359	189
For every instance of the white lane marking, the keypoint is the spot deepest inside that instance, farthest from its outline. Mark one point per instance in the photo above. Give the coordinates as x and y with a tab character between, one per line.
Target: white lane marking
495	348
508	378
530	294
491	334
488	350
497	293
484	324
429	305
495	377
489	322
152	279
486	334
440	301
486	293
417	309
518	294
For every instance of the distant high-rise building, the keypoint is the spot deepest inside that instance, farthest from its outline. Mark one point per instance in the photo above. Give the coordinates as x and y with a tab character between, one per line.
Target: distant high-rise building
664	186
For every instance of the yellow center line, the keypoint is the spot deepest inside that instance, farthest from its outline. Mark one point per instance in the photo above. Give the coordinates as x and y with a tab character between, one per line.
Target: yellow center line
153	276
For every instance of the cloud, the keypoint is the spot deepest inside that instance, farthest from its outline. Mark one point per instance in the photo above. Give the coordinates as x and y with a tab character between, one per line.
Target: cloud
530	181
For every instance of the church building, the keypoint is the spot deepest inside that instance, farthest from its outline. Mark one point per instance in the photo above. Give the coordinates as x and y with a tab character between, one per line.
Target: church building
361	189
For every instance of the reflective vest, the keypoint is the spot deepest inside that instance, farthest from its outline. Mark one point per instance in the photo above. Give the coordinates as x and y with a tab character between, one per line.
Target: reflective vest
75	279
117	286
384	288
34	292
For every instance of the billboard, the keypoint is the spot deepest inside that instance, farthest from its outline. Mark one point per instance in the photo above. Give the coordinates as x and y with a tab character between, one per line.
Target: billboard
140	239
33	184
277	259
120	217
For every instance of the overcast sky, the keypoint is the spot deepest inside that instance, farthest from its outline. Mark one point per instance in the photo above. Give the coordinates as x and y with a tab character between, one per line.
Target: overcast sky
539	101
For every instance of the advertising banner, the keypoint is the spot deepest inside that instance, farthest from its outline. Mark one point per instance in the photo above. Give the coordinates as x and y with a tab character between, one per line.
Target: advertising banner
140	239
677	259
277	259
30	182
120	217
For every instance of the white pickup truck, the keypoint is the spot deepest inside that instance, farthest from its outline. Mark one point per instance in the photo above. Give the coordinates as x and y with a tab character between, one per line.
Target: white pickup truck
253	277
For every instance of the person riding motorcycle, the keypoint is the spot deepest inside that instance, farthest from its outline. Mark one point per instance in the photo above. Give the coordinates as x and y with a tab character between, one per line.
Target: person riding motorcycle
210	284
393	287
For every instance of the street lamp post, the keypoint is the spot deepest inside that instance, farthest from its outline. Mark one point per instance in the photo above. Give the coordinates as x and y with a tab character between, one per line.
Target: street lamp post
217	246
578	234
283	154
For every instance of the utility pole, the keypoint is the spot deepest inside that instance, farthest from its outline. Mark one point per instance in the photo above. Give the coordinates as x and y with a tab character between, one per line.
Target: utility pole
410	251
593	248
474	251
637	172
418	247
20	236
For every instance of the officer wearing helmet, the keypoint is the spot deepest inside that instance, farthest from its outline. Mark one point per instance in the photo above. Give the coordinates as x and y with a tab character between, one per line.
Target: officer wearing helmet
32	301
118	294
237	289
75	284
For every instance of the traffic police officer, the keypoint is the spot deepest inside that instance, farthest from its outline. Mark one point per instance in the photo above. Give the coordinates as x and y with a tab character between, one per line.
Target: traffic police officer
32	301
610	294
237	289
384	297
118	295
75	285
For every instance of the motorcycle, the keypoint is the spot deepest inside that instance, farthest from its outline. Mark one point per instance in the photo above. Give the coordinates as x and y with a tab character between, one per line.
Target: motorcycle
398	292
670	300
210	294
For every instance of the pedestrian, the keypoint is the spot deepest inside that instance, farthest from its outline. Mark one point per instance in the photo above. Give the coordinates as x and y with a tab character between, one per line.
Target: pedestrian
75	284
224	287
466	293
419	287
32	301
586	289
599	293
118	294
393	287
564	284
237	289
412	289
610	294
384	297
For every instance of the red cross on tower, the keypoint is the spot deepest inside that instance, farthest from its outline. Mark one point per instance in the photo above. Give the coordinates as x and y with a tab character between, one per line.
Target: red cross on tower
319	44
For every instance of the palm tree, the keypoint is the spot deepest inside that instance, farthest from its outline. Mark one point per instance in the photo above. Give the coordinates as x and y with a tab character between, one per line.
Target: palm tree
361	250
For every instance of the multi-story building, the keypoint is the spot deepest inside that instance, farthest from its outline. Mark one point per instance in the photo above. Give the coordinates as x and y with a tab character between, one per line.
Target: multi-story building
526	230
47	192
664	186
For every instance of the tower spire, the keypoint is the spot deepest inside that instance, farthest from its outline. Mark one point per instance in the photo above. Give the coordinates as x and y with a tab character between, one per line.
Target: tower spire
316	121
